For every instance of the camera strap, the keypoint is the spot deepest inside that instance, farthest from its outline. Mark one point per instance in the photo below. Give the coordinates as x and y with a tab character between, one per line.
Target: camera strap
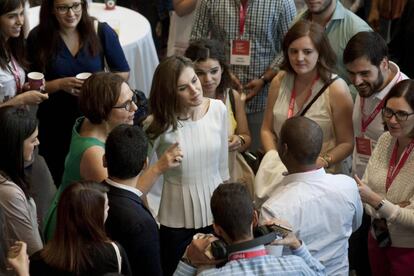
265	239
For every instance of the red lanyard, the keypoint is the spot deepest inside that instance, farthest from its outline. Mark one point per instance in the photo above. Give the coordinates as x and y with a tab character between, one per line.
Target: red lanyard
371	117
242	16
16	76
293	98
395	167
247	255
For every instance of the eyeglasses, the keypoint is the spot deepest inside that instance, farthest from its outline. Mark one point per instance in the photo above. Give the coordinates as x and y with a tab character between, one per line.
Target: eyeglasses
128	105
399	115
76	8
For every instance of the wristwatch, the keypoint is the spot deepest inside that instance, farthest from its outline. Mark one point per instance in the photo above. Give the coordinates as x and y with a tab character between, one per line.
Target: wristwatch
382	202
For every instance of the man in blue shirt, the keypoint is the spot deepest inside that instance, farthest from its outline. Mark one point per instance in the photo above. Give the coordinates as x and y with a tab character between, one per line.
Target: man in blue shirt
234	219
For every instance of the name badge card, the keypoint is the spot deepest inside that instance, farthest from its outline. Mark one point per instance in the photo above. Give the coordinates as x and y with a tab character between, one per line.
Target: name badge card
240	52
363	149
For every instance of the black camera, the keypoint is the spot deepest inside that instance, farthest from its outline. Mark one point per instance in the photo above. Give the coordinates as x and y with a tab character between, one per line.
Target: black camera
263	234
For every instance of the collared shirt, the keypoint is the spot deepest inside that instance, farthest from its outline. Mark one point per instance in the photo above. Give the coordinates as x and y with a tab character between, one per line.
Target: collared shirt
324	209
376	127
300	263
267	21
124	187
342	26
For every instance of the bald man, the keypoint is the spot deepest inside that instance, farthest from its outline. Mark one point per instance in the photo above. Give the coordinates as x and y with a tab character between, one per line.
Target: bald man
324	208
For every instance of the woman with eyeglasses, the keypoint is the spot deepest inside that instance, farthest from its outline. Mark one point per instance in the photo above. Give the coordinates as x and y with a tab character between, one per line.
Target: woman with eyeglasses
106	102
67	42
387	187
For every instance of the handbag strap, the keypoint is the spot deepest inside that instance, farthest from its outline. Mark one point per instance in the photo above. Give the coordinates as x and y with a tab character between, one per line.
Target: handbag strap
118	256
302	113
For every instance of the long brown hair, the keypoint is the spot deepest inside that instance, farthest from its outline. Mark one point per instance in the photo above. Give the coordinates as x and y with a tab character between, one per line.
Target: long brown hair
14	45
80	226
48	33
163	99
327	59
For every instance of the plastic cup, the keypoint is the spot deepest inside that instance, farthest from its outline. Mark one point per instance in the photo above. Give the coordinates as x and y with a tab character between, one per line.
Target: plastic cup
36	80
83	76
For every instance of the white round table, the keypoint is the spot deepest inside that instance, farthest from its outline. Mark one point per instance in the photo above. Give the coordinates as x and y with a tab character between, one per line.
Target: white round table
135	36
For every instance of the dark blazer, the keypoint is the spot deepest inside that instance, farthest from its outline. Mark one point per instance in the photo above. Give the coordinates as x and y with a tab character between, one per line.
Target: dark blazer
132	225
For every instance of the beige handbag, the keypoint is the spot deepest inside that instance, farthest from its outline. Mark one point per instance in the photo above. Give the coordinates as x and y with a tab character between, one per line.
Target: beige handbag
240	171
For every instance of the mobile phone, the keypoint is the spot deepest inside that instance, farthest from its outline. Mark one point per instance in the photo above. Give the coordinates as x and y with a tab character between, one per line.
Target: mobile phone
280	229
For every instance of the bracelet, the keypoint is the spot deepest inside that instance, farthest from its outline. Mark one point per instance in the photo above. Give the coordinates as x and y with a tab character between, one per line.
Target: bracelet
242	140
382	202
262	77
327	159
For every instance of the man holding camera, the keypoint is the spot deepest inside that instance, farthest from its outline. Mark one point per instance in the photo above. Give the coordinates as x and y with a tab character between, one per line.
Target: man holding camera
324	208
234	219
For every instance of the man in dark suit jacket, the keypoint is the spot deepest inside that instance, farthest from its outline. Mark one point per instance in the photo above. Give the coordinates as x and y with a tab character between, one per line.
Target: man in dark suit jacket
129	221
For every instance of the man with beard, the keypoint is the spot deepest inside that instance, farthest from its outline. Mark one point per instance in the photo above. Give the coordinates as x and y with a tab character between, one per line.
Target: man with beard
373	75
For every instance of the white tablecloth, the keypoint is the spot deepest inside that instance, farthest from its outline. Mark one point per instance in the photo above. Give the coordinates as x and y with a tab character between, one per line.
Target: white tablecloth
134	35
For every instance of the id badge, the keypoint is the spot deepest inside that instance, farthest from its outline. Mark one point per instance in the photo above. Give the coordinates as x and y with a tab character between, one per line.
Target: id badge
240	52
363	149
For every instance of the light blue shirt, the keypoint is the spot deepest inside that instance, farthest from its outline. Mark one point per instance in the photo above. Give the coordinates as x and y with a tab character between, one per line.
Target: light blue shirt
300	263
324	209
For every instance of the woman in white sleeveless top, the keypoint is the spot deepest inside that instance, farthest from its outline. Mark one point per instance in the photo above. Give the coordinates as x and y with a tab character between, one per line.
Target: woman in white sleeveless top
308	65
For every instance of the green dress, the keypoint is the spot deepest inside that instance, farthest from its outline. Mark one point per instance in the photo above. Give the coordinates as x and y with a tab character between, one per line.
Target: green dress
78	146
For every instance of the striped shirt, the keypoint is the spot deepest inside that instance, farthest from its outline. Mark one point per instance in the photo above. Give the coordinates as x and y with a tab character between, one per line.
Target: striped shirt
300	263
266	23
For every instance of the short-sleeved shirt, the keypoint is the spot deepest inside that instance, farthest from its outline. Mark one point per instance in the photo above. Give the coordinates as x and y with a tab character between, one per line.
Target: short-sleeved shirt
267	21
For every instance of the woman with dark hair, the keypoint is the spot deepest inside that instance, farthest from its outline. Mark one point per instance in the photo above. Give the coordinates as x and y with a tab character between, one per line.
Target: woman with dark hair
80	245
211	68
387	187
13	93
199	126
308	66
106	102
12	57
66	42
18	139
